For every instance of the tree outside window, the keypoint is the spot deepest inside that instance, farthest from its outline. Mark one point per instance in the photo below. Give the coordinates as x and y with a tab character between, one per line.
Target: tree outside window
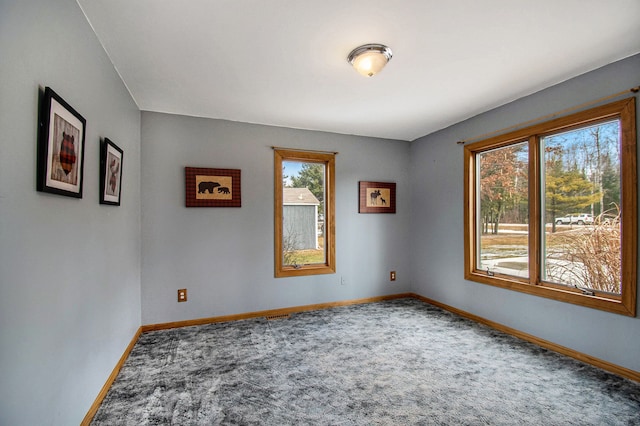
551	209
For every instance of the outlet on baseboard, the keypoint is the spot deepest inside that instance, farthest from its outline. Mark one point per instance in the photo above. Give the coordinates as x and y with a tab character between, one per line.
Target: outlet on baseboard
182	295
392	276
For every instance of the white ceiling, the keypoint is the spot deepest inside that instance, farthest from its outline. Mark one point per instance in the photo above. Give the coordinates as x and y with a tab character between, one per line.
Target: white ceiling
283	62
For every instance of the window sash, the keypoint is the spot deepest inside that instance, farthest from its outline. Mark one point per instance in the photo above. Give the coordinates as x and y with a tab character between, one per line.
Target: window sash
500	186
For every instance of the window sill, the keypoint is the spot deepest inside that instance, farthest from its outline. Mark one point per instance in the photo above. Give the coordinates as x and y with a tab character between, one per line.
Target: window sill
614	304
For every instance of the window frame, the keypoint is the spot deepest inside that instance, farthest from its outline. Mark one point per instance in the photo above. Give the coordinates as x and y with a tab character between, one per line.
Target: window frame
328	160
625	303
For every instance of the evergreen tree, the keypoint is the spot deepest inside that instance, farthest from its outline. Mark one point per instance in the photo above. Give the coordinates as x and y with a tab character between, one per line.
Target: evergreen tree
311	176
566	192
610	185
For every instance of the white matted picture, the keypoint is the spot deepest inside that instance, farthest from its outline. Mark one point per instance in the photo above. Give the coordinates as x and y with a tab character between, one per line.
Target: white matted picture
110	173
60	147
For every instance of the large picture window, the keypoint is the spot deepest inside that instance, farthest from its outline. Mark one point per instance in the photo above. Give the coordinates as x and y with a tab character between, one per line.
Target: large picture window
551	209
304	213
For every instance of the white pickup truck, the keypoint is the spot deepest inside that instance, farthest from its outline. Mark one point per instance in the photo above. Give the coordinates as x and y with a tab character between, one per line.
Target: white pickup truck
580	219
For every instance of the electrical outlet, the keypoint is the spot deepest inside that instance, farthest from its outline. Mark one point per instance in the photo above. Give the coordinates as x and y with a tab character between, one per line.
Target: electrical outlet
392	276
182	295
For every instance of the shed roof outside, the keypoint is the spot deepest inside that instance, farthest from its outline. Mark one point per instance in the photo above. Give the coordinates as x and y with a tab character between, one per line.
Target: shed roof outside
299	196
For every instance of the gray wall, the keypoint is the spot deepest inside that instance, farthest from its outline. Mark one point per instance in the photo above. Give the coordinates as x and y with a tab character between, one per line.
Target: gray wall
69	268
72	271
225	256
437	243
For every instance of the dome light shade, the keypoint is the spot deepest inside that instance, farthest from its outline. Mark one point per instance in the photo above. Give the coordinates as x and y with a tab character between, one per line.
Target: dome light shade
369	59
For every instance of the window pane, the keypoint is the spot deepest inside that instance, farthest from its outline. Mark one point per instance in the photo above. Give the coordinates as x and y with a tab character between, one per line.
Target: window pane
503	210
581	172
303	195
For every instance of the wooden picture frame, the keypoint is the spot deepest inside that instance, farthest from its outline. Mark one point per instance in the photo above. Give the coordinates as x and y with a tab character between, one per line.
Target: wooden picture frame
205	187
110	173
60	163
377	197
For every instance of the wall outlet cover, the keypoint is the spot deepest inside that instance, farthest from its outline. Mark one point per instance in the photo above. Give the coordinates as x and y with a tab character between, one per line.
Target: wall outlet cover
182	295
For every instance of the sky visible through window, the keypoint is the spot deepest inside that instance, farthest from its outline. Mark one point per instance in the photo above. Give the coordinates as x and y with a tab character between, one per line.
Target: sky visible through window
291	168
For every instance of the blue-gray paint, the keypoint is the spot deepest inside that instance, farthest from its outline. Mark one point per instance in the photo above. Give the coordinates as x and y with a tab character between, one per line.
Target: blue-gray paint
69	268
438	247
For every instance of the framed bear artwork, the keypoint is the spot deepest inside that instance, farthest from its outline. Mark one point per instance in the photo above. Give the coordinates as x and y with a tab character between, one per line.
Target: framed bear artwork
61	131
205	187
110	173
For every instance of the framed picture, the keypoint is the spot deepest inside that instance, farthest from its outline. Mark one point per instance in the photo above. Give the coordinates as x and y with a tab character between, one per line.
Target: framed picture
212	187
60	147
377	197
110	173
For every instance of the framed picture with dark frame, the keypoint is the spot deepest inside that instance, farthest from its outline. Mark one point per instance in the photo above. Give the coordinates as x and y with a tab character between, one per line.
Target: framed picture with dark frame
377	197
207	187
110	173
61	137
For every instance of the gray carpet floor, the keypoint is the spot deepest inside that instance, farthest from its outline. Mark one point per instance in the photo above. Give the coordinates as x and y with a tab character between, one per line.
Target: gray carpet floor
399	362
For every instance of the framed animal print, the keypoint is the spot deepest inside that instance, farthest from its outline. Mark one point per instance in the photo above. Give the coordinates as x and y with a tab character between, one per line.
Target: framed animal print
205	187
60	161
377	197
110	173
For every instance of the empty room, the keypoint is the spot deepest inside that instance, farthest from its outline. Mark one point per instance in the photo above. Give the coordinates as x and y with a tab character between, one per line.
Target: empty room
354	213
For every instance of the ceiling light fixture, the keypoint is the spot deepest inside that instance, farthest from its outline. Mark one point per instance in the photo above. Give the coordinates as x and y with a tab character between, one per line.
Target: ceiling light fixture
369	59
